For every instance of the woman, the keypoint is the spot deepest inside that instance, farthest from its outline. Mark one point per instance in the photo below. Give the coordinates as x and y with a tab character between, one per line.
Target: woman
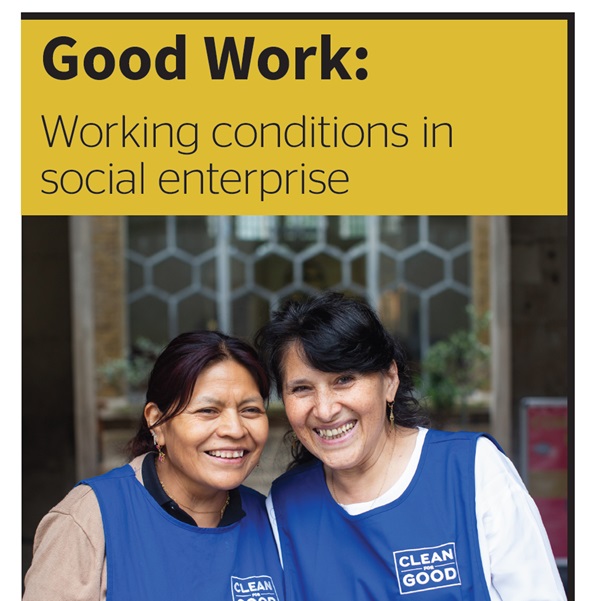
175	523
377	505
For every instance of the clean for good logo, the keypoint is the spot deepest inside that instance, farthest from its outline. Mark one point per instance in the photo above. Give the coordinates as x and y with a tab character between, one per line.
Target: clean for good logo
253	588
427	568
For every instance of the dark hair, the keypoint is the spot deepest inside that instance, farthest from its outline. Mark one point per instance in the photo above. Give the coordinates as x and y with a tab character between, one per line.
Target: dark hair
177	368
338	334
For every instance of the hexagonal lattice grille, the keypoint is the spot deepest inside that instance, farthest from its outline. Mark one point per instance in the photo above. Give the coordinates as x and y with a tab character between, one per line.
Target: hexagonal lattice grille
229	272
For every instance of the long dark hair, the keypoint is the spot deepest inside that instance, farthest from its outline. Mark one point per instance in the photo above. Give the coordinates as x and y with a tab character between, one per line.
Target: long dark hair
338	334
177	368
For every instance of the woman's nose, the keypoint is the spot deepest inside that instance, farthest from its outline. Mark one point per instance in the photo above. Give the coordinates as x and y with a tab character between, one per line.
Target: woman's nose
327	407
230	425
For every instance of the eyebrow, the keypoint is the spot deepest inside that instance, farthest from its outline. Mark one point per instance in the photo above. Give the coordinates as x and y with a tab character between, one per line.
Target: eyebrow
209	400
296	382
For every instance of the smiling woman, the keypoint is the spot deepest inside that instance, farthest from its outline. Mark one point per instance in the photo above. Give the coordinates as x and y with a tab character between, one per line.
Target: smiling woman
377	505
177	516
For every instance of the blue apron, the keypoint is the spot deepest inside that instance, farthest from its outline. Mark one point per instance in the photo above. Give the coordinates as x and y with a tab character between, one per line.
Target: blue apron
152	556
423	544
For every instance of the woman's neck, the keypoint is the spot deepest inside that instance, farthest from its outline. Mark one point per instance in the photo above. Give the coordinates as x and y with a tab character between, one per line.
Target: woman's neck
206	510
369	482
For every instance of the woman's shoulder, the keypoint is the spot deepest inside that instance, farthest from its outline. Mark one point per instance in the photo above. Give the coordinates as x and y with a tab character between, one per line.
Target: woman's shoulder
249	496
76	516
450	436
298	476
79	501
247	491
247	501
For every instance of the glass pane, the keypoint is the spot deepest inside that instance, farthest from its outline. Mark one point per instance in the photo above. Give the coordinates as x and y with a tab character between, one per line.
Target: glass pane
448	231
400	314
322	272
399	232
147	235
248	313
424	270
387	272
299	232
195	235
359	271
148	318
447	314
172	275
237	272
135	276
462	269
273	272
346	231
197	313
251	231
208	274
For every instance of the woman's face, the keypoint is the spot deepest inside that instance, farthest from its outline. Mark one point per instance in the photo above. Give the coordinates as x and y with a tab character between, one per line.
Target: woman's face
339	417
217	440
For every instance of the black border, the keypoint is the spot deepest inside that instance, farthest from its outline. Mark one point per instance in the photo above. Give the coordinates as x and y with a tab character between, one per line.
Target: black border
569	17
272	16
571	302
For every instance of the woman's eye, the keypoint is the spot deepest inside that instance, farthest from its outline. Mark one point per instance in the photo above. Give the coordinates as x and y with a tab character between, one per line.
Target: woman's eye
299	389
254	410
345	379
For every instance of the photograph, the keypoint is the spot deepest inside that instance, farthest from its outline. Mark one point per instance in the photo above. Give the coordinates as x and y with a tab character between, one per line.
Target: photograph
476	306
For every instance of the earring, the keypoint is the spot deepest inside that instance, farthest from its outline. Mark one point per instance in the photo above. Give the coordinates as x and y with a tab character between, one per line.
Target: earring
391	416
161	454
295	443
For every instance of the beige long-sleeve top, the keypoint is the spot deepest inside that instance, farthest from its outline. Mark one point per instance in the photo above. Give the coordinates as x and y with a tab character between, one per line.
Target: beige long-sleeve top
69	559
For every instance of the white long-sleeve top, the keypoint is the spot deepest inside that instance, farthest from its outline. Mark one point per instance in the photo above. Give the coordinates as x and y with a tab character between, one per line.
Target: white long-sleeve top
515	551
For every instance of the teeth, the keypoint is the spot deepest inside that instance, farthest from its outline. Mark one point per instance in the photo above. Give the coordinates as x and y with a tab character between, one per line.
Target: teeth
335	432
227	454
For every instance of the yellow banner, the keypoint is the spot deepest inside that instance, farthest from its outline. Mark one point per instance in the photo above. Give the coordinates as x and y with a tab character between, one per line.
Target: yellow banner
294	116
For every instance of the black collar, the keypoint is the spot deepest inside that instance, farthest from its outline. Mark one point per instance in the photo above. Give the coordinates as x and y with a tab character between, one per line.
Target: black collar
233	512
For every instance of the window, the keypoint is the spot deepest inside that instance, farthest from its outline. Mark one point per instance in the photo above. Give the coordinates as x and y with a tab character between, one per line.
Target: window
228	272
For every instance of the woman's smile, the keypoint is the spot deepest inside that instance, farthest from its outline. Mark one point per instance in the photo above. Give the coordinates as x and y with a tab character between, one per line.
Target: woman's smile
336	433
227	454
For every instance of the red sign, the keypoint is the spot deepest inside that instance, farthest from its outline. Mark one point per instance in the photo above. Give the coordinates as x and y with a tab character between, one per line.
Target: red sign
546	466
